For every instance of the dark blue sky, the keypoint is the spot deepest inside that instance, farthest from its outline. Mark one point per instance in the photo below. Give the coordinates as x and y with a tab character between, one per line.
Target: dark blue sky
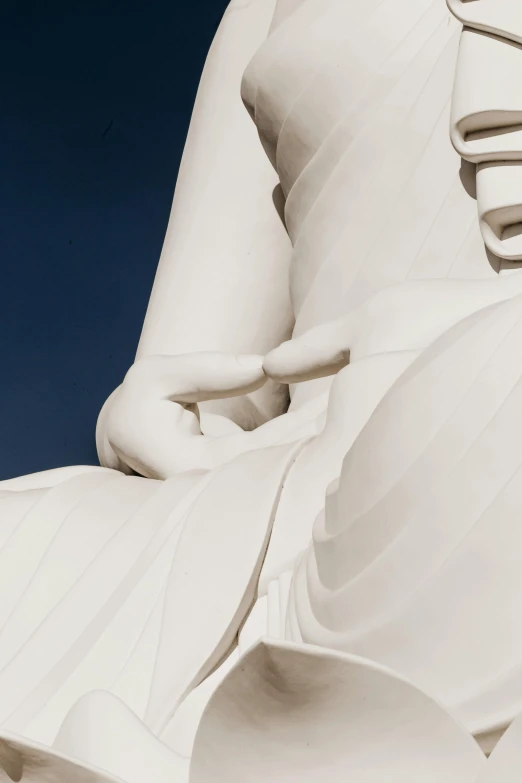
96	100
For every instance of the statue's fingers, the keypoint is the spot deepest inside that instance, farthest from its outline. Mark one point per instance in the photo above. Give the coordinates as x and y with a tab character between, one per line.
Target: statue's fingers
320	352
192	378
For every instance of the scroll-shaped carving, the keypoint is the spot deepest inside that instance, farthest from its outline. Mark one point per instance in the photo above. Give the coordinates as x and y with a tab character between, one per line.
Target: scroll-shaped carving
486	122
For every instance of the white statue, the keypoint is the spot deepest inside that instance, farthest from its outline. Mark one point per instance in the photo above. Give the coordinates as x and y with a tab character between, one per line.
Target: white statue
373	271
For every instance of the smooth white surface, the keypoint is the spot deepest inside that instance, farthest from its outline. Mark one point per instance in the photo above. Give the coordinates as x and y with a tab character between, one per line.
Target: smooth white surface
221	283
290	713
132	593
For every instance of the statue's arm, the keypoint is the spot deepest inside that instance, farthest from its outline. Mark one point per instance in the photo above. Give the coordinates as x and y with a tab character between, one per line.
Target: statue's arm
486	123
222	280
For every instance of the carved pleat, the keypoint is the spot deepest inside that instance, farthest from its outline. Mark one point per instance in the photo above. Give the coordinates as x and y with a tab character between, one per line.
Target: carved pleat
416	561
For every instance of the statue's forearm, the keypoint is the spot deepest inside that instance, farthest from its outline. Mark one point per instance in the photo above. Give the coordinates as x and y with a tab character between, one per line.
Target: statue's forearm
222	281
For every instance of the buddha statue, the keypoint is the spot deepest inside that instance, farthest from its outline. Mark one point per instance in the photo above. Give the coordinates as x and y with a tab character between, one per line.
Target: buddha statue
318	441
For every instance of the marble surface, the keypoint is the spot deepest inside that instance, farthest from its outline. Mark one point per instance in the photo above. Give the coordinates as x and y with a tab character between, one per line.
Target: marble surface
300	556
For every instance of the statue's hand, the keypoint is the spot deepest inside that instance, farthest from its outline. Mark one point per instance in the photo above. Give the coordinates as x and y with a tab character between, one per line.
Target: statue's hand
150	424
318	353
404	317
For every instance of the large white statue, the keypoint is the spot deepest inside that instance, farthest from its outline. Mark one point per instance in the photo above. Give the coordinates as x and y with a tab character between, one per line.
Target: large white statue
301	558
